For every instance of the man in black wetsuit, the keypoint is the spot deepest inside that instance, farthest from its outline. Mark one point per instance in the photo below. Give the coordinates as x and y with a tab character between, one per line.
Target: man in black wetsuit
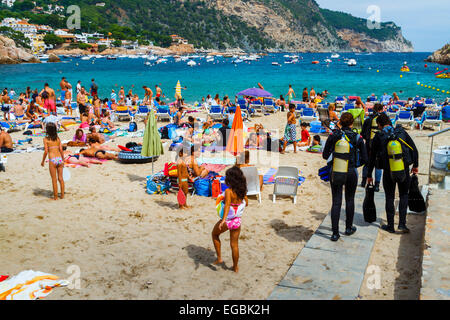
357	148
379	157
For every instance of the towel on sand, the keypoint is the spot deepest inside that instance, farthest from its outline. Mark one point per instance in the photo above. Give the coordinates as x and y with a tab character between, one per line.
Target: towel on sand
29	285
269	177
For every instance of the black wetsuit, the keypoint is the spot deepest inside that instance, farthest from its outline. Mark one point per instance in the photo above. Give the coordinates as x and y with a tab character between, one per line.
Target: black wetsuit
352	178
379	150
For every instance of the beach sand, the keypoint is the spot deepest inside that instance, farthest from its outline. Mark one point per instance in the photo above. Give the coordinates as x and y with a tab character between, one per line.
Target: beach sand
131	245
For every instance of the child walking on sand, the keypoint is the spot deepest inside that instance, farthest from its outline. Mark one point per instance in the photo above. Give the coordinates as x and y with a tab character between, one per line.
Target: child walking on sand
183	176
290	133
53	148
232	207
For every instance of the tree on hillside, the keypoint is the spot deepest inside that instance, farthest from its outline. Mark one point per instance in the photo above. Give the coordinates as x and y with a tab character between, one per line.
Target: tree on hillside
51	39
25	5
117	43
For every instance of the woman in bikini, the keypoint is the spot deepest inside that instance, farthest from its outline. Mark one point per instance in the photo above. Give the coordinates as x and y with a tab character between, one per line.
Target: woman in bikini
234	203
53	148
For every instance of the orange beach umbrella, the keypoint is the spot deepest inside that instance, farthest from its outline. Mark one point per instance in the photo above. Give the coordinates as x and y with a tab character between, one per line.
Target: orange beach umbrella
235	143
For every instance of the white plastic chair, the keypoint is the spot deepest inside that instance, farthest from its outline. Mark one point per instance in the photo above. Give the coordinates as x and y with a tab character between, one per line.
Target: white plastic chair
286	183
253	186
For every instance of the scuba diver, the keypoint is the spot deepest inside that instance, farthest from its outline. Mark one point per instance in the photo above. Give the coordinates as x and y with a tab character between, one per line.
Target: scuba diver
369	129
345	151
394	151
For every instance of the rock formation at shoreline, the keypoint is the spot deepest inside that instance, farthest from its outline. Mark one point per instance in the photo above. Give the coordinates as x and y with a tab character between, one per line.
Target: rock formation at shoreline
10	54
441	56
53	58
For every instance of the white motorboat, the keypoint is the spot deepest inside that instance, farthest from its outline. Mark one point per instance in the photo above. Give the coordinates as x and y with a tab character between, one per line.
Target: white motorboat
191	63
238	61
351	62
276	64
328	61
335	56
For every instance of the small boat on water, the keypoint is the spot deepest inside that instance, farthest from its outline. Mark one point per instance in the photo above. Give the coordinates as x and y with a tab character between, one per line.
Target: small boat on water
351	62
404	69
191	63
276	64
335	56
43	57
111	58
238	61
443	75
328	61
315	62
86	58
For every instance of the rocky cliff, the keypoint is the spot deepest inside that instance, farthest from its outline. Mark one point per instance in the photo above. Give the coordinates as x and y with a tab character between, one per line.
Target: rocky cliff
361	42
441	56
10	54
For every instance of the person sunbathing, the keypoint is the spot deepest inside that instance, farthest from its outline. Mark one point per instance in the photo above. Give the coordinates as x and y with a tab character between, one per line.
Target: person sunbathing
97	153
32	112
105	122
19	113
6	144
193	164
76	158
79	139
94	144
93	134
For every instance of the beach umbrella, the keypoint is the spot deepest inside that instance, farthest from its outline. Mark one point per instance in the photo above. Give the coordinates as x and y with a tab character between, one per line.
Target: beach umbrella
178	90
235	144
152	145
255	92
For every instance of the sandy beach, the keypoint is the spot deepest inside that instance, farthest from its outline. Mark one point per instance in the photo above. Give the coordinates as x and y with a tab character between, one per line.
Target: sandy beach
131	245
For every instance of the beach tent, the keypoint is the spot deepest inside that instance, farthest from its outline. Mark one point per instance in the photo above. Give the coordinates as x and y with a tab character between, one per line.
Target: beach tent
152	145
178	90
255	92
235	143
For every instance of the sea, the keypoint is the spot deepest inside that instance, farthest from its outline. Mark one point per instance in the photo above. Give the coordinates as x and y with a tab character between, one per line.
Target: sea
376	73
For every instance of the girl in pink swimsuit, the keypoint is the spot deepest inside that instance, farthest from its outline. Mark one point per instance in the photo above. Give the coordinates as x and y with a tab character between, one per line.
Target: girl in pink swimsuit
235	201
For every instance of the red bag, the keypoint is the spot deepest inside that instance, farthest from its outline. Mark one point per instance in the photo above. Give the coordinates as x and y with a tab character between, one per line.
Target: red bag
216	188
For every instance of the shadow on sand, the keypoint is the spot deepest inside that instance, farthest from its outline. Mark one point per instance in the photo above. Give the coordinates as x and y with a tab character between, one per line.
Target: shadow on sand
291	233
203	256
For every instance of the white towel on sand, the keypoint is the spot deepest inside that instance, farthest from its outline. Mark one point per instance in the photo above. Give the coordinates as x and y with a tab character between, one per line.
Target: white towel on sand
29	285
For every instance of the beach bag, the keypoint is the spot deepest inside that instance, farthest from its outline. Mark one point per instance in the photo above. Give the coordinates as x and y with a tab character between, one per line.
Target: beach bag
170	170
369	208
164	133
216	188
325	172
157	184
416	203
203	187
132	127
171	132
104	130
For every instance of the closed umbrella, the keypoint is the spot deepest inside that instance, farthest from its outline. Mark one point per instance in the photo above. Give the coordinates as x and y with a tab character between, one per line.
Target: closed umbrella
235	144
178	90
152	145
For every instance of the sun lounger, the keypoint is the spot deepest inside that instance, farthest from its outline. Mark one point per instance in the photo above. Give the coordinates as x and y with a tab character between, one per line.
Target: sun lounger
286	183
307	115
392	113
348	106
257	105
431	118
429	103
216	112
298	109
405	118
324	118
269	106
253	187
340	102
122	112
162	113
142	112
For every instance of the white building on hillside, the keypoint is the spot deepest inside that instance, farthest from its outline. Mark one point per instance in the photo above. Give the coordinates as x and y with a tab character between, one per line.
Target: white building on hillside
8	3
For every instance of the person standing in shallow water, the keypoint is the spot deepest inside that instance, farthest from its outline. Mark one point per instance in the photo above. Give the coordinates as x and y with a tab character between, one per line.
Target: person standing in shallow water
290	94
53	148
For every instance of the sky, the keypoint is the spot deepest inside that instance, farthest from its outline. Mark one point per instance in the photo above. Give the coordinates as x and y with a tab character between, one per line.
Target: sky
426	23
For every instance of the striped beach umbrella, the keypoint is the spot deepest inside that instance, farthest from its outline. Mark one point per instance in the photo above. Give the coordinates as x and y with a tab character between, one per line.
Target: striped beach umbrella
178	90
152	145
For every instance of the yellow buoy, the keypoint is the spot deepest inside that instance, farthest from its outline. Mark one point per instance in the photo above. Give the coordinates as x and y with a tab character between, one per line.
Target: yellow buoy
401	76
421	85
448	92
378	70
438	90
418	82
434	88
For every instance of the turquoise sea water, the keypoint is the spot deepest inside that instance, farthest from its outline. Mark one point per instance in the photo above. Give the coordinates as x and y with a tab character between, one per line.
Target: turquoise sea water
223	77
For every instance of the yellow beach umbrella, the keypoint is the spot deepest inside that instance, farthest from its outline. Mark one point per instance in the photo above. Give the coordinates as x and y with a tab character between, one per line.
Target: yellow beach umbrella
178	90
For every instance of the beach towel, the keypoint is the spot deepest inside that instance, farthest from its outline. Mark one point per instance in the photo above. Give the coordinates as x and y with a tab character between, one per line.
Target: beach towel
269	177
214	167
29	285
226	161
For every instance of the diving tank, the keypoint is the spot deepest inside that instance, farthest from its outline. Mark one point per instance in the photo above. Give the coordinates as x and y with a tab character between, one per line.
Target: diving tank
396	164
374	129
340	161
